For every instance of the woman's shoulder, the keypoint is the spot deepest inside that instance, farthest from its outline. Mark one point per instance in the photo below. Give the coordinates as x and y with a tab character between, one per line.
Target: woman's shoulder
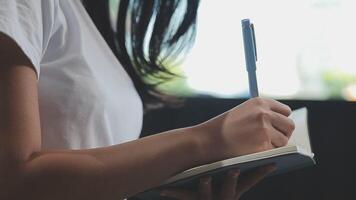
28	23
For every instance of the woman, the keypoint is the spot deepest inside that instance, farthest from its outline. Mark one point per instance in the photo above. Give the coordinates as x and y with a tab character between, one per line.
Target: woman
70	114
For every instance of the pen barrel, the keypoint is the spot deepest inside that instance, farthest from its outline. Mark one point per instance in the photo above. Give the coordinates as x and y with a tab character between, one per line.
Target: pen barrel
253	87
250	56
249	45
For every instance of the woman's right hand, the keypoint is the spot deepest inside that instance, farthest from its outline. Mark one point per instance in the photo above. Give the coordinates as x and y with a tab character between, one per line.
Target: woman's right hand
256	125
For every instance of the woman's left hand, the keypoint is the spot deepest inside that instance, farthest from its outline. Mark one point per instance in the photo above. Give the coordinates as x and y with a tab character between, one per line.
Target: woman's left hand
231	189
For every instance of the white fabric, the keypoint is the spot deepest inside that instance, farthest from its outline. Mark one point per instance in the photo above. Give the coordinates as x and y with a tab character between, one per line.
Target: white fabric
86	98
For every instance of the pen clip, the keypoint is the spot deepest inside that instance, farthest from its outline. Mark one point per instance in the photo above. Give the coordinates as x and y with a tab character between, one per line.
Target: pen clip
254	39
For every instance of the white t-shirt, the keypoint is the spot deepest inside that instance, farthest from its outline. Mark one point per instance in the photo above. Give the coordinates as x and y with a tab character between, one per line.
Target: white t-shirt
86	98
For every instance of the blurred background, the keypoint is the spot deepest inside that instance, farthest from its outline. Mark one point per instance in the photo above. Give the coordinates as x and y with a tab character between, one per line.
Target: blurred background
305	50
306	58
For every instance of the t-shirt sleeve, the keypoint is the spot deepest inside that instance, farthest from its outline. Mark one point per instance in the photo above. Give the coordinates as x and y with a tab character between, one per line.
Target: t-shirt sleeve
28	23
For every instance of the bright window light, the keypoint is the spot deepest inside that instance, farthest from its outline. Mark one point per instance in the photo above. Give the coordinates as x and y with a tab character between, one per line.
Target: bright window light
305	48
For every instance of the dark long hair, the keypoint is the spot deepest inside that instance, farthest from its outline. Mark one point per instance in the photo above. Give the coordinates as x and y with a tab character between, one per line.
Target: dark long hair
150	36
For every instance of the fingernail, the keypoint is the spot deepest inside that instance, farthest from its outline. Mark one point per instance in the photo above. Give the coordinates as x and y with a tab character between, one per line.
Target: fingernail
271	168
205	180
234	173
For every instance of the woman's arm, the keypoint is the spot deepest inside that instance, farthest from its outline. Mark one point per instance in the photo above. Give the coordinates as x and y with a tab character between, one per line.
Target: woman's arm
104	173
27	172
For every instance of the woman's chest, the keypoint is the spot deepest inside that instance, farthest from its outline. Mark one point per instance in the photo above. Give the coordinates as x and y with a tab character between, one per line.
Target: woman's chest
86	97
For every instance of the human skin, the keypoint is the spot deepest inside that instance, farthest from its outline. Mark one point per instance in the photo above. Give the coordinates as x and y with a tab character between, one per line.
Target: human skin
118	171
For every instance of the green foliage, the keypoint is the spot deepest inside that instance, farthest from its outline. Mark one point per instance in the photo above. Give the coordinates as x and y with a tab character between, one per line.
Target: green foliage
336	81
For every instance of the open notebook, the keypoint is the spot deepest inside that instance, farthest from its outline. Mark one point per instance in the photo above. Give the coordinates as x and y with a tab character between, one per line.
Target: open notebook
297	154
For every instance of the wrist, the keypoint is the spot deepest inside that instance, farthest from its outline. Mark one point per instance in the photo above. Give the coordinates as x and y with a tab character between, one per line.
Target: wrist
206	146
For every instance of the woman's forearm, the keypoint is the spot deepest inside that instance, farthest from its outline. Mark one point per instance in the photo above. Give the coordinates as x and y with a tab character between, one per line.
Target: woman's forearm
27	172
110	173
119	171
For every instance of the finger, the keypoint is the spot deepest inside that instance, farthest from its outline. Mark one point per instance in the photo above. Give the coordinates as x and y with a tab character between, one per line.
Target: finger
228	190
179	194
205	189
252	179
283	124
278	139
279	107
